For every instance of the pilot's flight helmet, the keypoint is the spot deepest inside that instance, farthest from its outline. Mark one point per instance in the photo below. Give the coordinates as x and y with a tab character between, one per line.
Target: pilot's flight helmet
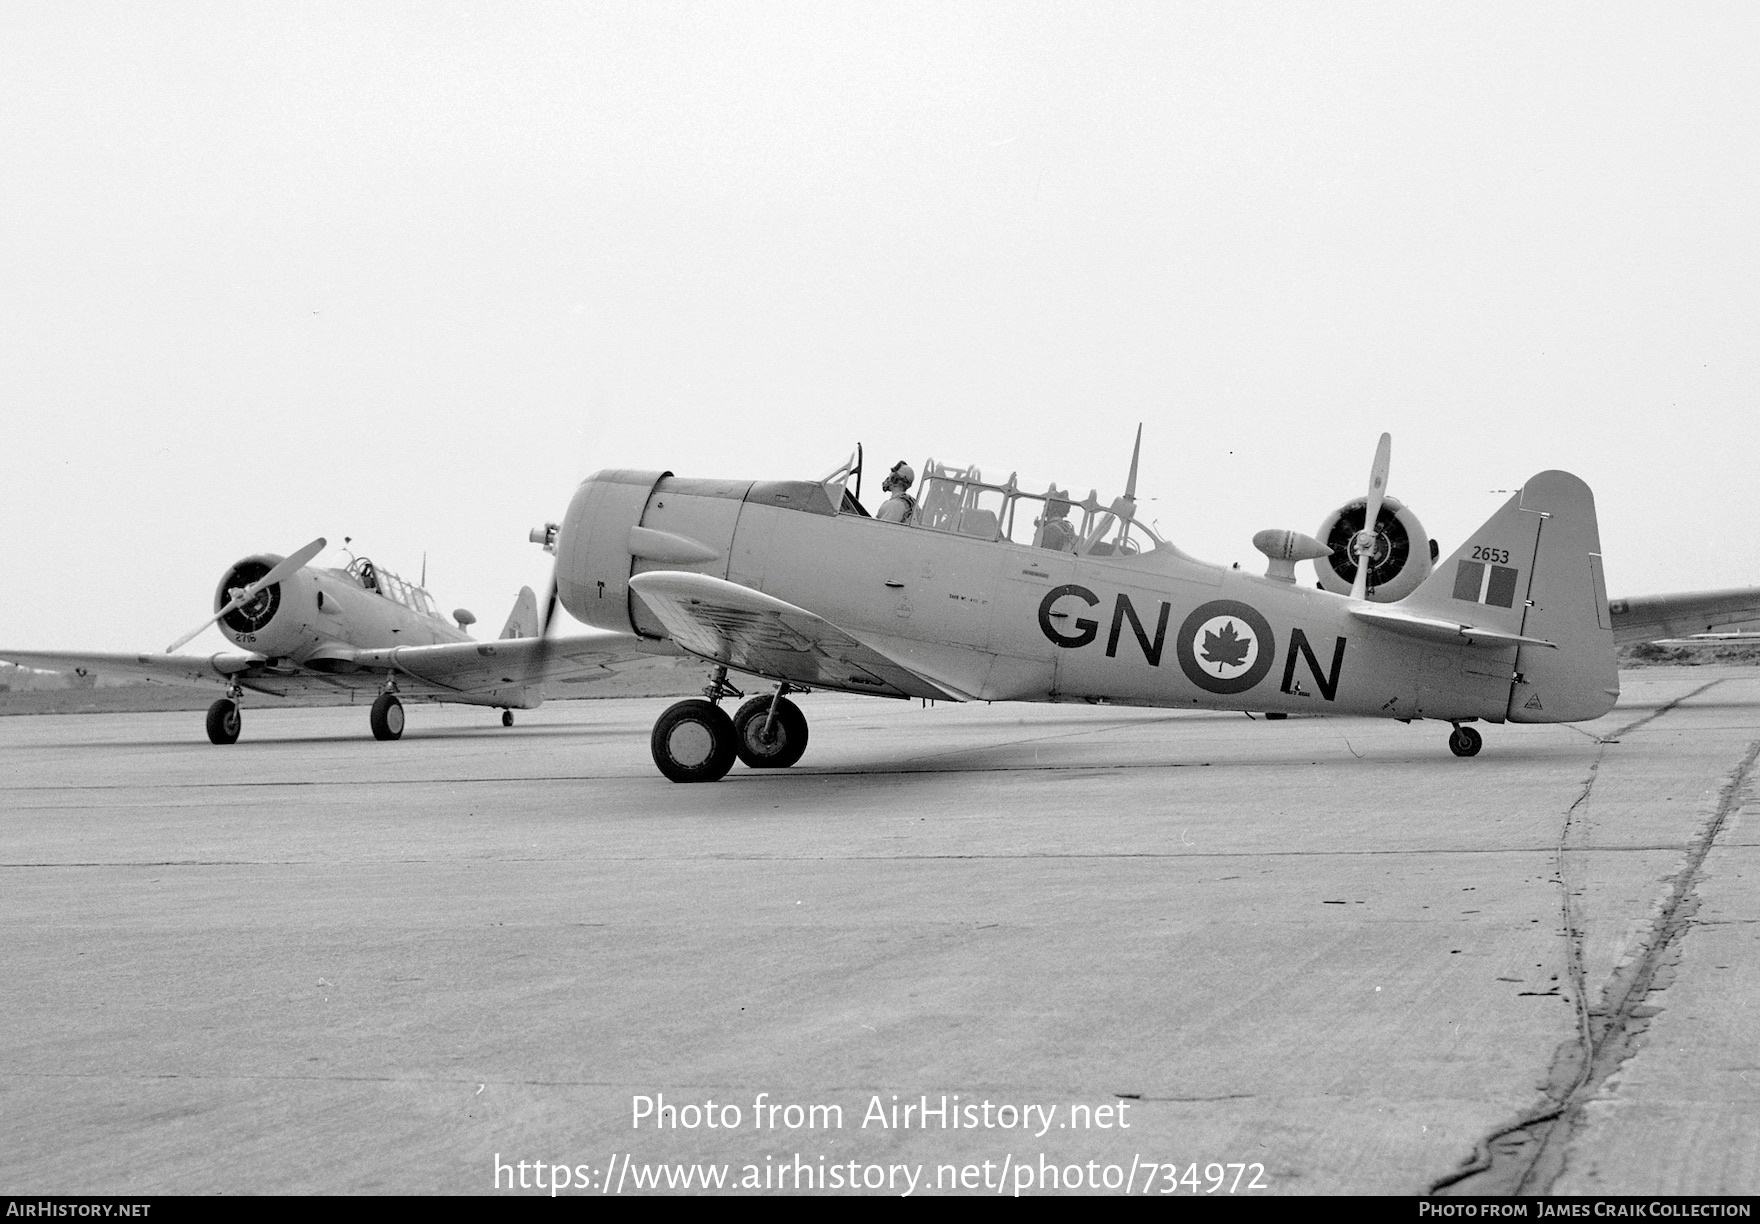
1056	502
902	475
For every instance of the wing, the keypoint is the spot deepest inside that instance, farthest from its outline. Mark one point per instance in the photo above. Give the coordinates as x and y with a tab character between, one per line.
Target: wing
452	670
189	670
463	667
243	668
1651	617
753	632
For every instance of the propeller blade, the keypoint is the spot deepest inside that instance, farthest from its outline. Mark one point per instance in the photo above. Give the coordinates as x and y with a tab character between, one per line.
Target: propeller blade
538	662
1130	485
1122	508
291	565
1363	546
549	609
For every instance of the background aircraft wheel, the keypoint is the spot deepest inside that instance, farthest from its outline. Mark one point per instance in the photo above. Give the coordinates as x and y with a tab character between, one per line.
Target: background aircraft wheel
507	718
224	722
788	735
694	742
1464	742
387	717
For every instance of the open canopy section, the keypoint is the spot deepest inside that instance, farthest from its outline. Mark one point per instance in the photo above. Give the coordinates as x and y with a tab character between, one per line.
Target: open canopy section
373	578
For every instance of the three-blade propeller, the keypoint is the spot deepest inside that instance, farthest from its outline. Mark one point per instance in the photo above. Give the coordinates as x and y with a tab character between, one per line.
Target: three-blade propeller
1363	543
243	596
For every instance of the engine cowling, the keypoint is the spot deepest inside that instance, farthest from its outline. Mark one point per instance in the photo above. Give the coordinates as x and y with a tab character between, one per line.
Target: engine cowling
1402	558
265	624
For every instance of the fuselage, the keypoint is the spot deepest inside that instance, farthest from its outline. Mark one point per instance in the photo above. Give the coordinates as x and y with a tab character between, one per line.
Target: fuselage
996	620
316	617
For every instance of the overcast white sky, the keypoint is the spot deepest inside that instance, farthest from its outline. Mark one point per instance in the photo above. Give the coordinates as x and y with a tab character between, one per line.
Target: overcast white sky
409	272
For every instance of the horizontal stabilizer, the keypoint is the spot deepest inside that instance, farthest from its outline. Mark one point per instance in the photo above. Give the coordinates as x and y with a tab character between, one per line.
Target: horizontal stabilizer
1436	629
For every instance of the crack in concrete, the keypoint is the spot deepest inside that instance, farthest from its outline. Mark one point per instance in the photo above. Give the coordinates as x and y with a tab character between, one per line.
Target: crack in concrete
1527	1156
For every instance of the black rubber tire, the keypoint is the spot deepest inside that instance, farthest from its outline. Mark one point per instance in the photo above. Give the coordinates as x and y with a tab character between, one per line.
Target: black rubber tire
224	722
1465	742
507	718
387	717
693	742
788	736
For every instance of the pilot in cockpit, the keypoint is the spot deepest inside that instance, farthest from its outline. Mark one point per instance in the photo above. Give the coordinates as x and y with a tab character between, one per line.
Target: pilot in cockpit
1056	532
900	507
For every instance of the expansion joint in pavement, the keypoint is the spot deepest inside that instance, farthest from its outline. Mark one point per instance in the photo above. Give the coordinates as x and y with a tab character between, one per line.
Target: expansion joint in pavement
1527	1156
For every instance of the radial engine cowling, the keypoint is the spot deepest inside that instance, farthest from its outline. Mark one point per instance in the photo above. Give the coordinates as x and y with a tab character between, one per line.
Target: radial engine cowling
263	622
1401	560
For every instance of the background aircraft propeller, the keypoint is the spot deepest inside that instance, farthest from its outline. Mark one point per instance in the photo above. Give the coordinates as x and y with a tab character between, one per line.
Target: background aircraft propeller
1363	546
291	565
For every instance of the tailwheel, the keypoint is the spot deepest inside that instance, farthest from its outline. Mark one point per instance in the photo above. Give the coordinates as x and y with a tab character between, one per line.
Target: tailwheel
507	718
386	718
1464	742
694	741
224	722
766	743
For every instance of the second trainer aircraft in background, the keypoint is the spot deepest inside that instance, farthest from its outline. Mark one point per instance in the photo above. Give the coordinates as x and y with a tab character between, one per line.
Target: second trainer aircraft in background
301	629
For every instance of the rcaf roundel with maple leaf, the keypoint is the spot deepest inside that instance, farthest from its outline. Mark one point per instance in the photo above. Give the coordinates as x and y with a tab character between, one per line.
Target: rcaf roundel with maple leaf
1225	646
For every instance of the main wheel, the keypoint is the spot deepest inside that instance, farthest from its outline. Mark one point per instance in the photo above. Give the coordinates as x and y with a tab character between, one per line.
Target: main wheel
387	717
788	734
224	722
507	718
694	742
1464	742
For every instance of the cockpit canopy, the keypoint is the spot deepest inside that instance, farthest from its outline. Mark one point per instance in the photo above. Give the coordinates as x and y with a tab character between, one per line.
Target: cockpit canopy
959	501
388	584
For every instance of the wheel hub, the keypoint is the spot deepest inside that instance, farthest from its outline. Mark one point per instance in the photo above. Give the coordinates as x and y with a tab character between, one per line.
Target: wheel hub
690	744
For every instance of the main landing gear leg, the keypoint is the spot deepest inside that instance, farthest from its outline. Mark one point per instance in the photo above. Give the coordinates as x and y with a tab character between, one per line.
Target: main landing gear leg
386	717
770	732
224	720
1464	741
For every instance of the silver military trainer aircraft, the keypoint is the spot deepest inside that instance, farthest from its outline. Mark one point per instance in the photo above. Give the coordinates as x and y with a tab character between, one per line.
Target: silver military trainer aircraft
302	629
988	592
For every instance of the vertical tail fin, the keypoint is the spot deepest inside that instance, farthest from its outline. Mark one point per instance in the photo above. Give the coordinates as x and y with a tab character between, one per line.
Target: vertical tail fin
1534	569
522	622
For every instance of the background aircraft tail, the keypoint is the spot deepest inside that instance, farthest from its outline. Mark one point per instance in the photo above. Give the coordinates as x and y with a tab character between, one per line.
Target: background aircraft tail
1534	569
522	622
